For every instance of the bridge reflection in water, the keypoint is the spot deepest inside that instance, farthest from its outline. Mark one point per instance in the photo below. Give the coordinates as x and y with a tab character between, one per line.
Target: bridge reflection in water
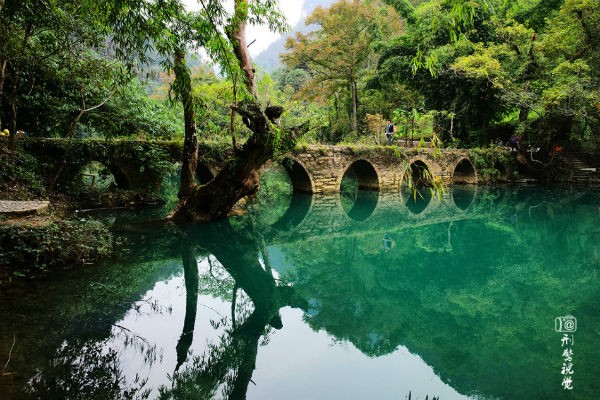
363	210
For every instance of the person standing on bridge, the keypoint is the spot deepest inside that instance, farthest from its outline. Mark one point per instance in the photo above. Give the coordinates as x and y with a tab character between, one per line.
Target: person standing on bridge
389	131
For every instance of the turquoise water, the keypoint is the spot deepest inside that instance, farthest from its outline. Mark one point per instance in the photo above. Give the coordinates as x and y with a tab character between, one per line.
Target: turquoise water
369	296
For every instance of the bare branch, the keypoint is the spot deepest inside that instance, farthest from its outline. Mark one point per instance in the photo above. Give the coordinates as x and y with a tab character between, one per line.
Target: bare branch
237	35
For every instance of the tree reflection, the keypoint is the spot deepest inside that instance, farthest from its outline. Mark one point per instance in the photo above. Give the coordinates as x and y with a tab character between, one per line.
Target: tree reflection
90	367
190	273
474	296
230	363
85	370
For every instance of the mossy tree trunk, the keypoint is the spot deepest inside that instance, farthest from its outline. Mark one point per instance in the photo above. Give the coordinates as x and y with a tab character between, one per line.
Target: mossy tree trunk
183	85
239	178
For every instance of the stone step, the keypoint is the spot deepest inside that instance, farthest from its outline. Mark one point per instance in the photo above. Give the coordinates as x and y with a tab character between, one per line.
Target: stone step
21	208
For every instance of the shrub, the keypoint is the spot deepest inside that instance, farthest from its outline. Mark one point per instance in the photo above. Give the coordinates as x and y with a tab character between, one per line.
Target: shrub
26	250
19	175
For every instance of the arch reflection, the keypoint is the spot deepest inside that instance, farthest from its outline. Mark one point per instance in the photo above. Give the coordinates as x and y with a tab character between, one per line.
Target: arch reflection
300	205
361	205
417	199
463	196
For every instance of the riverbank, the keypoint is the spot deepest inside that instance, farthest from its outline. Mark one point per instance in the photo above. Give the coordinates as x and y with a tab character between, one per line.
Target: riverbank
30	247
41	231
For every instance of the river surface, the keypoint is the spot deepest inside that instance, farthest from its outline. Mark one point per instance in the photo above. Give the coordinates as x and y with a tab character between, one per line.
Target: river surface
485	294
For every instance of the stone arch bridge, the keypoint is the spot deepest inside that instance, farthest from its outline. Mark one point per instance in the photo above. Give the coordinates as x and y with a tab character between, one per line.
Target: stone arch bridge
315	169
321	169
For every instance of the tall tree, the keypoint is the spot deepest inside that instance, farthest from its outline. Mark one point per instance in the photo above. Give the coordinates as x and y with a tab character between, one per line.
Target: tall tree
38	36
546	79
497	68
442	31
239	177
337	52
136	27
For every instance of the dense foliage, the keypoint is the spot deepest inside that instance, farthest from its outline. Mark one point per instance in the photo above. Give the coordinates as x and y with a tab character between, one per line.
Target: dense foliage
481	70
474	72
494	68
338	53
19	176
59	75
33	250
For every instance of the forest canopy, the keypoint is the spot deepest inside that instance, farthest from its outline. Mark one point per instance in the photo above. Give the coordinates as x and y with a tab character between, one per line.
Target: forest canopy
474	72
482	70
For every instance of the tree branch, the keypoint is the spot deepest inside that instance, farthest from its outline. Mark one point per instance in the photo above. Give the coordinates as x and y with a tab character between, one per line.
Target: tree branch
236	32
9	353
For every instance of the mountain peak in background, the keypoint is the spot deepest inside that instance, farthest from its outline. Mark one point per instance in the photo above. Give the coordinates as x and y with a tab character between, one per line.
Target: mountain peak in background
268	60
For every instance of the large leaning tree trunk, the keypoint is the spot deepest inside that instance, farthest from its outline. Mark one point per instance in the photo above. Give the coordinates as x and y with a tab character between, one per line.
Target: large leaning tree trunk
239	178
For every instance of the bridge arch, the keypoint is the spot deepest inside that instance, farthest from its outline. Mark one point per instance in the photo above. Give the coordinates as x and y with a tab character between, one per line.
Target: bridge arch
418	174
415	186
464	172
364	172
359	189
302	181
120	179
204	174
503	172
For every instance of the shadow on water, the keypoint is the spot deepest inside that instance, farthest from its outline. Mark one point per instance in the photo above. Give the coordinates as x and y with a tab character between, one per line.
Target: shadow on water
474	295
463	196
416	201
